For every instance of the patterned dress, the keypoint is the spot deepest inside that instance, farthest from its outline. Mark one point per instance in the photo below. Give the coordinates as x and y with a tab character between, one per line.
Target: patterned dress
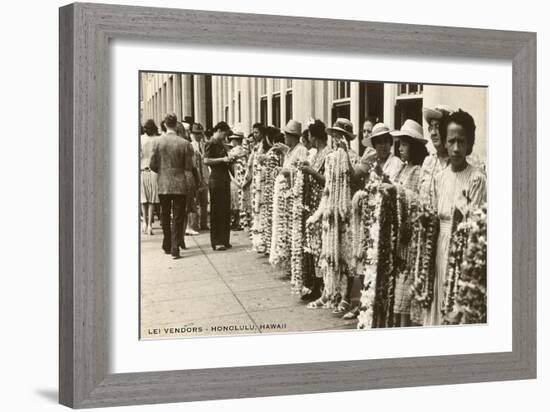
313	191
454	192
431	167
148	178
409	178
237	170
298	153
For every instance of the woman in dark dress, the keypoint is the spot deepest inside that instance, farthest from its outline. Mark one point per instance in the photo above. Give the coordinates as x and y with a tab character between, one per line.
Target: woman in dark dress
217	159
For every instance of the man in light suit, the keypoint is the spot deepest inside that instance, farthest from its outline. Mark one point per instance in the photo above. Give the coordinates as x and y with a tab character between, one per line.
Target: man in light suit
172	157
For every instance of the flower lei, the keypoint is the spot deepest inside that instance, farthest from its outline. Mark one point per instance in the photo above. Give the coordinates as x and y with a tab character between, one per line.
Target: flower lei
239	169
297	231
385	270
366	235
421	258
333	213
263	229
281	223
255	198
465	298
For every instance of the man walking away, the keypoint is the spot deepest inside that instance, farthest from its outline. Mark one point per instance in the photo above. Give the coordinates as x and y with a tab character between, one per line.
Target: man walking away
172	157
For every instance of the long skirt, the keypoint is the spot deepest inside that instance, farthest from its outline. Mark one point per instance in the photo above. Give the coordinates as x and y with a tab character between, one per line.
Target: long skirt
220	212
433	316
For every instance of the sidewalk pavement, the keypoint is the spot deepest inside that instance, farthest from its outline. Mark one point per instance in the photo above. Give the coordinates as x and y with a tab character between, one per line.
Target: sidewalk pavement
220	293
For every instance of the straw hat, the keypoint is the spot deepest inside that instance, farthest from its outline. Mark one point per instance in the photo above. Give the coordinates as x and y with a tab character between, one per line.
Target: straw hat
412	130
379	129
237	134
436	113
293	127
343	126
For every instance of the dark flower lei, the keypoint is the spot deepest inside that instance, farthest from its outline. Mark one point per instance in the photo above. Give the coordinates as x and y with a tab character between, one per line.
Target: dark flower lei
465	299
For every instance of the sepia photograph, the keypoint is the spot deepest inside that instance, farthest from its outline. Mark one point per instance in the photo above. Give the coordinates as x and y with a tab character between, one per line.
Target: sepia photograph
287	205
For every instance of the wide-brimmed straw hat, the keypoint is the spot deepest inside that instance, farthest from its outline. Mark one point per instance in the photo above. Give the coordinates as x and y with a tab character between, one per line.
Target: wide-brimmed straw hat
237	134
379	129
342	125
436	113
293	127
412	130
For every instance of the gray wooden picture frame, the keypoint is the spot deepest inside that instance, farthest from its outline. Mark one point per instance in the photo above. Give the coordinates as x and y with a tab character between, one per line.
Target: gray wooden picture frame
85	32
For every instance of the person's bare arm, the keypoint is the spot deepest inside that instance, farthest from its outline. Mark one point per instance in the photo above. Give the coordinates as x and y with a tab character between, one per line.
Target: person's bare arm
154	162
363	166
209	161
320	178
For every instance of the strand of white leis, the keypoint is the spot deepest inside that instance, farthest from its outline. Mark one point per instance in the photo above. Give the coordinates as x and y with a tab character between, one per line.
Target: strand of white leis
368	293
297	240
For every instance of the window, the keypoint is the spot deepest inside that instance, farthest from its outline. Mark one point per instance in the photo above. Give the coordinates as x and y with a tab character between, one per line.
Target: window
276	110
408	109
410	88
288	106
342	90
263	85
263	111
341	109
239	105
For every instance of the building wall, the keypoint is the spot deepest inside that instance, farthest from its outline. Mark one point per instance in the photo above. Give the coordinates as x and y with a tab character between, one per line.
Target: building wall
237	100
183	94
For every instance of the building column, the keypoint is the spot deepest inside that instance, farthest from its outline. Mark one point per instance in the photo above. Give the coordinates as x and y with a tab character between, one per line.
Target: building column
330	98
354	114
282	88
170	95
302	107
321	98
155	112
158	116
214	99
163	99
177	95
222	94
246	105
390	94
186	95
200	99
254	100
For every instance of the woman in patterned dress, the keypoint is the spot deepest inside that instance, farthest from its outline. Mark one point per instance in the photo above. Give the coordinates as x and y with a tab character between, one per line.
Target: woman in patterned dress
148	179
237	174
256	149
411	147
458	188
313	190
341	134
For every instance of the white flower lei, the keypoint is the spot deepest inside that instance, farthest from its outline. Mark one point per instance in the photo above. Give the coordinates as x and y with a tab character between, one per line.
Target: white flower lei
297	240
367	262
334	213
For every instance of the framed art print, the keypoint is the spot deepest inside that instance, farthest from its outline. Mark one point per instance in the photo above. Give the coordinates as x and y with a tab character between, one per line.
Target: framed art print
258	205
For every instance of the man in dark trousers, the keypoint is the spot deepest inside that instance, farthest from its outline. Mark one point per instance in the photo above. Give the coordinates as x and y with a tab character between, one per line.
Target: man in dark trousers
172	157
217	159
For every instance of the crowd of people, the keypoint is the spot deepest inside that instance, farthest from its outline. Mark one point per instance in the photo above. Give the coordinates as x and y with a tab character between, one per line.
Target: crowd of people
311	204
